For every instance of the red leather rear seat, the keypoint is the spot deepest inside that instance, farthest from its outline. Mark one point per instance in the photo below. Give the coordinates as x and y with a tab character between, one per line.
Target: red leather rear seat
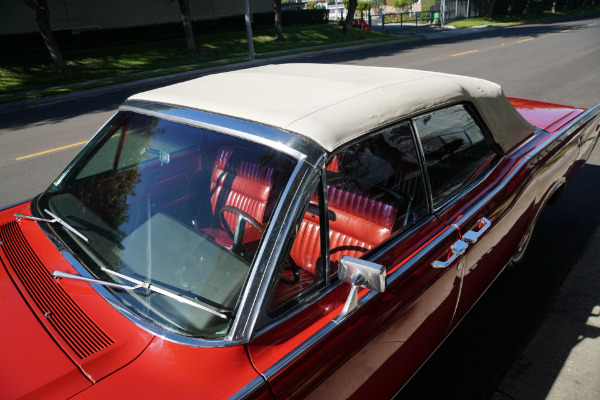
360	224
247	186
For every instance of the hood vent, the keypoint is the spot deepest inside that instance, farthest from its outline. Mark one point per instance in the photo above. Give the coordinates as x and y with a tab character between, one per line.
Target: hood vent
57	309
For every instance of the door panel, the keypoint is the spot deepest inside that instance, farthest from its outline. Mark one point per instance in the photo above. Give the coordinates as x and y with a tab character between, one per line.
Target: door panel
376	349
493	217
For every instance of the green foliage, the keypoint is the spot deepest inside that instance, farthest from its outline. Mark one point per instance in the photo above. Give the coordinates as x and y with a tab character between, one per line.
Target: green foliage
402	3
314	4
154	58
363	6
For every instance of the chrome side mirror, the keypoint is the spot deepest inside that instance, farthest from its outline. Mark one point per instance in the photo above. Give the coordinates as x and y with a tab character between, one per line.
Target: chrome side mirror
359	273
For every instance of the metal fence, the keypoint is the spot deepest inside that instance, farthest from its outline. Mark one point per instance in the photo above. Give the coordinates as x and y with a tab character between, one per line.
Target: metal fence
442	12
452	10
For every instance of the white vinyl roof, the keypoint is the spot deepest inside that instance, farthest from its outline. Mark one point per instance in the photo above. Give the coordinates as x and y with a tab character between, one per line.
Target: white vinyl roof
332	104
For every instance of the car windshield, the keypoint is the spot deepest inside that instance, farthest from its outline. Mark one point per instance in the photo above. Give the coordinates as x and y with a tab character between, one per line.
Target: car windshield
173	211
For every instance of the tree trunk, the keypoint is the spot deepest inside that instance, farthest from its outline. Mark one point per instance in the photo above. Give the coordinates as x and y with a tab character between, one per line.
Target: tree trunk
509	9
184	7
352	4
42	17
278	28
490	9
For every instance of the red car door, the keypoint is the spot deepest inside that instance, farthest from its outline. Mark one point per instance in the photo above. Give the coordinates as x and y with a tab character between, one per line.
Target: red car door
480	192
377	210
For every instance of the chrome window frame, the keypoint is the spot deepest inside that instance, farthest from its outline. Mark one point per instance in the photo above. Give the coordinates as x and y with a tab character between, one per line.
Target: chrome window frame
328	328
306	152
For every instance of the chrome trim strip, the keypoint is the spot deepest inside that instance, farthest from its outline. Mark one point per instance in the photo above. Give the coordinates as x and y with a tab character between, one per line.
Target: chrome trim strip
250	131
259	282
249	388
64	173
17	204
328	328
573	126
136	319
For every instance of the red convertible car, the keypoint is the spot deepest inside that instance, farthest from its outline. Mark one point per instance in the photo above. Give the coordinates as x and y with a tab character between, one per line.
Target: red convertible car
287	231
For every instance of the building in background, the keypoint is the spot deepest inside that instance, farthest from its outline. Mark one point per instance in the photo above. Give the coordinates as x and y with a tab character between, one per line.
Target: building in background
81	15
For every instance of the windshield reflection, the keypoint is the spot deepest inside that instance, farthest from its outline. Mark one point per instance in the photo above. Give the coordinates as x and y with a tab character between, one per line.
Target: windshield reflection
180	208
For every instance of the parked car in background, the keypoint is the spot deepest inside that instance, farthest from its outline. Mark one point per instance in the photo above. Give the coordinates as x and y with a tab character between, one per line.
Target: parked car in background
286	231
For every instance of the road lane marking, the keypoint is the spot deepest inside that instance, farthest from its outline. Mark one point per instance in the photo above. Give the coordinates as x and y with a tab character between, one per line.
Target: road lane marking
50	151
591	24
566	30
525	40
466	52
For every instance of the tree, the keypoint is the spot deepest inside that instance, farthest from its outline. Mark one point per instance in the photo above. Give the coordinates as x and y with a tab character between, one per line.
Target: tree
184	8
42	17
278	28
347	29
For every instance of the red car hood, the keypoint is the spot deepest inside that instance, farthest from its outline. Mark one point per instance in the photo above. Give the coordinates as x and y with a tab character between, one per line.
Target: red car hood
49	342
548	116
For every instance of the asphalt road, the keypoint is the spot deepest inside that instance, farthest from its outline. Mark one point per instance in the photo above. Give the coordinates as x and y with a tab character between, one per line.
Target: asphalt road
556	62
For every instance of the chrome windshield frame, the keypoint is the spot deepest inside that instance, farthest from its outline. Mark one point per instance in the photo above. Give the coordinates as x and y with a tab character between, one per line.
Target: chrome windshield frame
307	154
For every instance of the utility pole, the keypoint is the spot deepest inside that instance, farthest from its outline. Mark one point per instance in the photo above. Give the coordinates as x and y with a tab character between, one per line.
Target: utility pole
249	29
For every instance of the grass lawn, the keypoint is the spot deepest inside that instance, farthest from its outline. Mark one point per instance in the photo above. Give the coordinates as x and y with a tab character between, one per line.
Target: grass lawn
518	18
35	72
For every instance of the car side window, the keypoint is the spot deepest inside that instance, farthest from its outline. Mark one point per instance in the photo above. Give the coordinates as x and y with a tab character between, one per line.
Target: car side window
303	265
374	190
456	151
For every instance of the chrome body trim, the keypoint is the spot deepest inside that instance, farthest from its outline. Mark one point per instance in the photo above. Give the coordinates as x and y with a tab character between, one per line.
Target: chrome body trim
249	388
277	139
330	326
308	155
67	169
575	125
254	297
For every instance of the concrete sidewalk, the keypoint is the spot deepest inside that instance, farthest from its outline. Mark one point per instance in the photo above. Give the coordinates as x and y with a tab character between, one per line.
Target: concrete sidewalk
562	361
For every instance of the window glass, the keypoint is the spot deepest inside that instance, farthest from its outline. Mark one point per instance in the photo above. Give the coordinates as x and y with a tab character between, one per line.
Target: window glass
180	208
456	151
376	187
374	190
303	266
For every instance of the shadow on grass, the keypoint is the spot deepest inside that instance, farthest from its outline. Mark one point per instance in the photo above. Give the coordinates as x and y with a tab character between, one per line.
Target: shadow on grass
36	72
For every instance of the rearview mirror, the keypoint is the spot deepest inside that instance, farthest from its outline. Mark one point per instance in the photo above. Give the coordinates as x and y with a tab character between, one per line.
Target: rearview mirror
359	273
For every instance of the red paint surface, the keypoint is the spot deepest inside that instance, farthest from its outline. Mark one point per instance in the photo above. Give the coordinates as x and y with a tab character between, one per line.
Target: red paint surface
548	116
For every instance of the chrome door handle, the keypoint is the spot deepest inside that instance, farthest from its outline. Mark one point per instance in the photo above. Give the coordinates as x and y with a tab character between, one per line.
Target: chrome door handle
472	236
458	249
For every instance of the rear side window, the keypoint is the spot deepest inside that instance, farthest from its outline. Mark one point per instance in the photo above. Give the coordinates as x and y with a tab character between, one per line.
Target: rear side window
456	151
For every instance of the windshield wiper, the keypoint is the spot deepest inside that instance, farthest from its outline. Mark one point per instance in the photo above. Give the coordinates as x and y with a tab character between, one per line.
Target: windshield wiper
51	221
138	285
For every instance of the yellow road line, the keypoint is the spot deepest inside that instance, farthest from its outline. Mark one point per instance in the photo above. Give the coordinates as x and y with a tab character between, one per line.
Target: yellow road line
466	52
591	24
525	40
566	30
50	151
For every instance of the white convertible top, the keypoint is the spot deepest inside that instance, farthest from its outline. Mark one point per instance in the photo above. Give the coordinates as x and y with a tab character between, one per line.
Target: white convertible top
332	104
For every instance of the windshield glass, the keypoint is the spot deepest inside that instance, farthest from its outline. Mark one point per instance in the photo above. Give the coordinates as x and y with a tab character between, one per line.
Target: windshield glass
174	210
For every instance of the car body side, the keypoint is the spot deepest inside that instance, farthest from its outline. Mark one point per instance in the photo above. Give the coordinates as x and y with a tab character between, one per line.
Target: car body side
303	351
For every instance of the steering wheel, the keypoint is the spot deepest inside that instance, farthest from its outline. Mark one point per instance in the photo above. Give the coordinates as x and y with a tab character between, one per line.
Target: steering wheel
238	235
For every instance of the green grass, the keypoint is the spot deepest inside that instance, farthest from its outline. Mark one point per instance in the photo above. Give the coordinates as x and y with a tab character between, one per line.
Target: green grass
518	18
123	63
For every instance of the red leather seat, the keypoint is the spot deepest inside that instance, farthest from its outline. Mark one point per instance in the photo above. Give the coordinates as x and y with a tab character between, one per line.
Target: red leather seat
240	183
360	223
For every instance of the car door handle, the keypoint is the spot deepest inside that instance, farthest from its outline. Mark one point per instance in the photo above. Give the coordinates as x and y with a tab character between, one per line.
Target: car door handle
472	236
458	249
